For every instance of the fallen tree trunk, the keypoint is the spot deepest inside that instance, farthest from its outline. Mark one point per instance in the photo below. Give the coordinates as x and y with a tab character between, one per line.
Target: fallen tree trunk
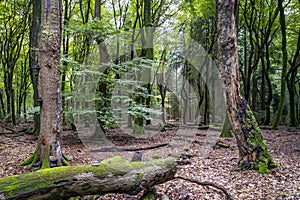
113	175
115	148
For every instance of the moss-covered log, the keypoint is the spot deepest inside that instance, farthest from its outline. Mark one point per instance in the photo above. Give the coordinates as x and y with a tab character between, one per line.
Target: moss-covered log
113	175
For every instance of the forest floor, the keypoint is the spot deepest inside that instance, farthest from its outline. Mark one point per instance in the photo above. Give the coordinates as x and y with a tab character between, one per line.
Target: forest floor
203	160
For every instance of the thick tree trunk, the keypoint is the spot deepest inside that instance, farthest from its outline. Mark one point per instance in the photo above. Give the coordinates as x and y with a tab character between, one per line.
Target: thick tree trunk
49	80
113	175
48	151
253	151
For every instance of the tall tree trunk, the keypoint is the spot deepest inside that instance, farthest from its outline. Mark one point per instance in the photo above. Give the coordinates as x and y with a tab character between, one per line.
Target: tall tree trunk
34	38
253	152
254	93
263	82
2	114
269	84
65	48
291	84
49	151
103	105
13	112
206	107
148	50
226	130
49	81
284	65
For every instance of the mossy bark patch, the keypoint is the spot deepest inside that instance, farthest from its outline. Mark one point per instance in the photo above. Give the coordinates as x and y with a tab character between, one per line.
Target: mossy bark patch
258	156
86	186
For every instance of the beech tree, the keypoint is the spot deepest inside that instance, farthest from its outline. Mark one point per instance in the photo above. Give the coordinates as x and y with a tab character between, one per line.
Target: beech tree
253	152
35	26
48	152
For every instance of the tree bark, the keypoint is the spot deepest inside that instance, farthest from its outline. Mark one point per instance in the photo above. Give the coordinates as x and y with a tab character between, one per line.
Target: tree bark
49	80
291	84
284	66
113	175
269	84
226	130
253	152
149	29
34	40
49	151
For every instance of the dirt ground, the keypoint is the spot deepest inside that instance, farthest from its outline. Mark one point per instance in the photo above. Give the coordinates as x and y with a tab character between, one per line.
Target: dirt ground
207	162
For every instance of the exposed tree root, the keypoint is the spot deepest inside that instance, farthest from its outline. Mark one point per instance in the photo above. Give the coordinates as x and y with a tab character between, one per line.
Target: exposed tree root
207	183
38	159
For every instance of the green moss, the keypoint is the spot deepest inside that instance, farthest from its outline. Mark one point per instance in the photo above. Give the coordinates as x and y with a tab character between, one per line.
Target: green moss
262	167
156	156
17	184
23	183
185	149
29	160
86	186
168	163
65	162
101	188
34	157
140	176
148	196
175	155
253	134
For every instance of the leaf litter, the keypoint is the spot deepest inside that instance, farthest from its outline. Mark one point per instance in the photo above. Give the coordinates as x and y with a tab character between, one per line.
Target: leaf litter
219	165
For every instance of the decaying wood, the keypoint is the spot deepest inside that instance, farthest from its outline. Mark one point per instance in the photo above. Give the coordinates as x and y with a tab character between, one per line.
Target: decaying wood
253	151
113	149
113	175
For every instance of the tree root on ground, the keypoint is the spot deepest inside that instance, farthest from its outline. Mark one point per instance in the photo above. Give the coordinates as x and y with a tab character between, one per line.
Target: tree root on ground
207	183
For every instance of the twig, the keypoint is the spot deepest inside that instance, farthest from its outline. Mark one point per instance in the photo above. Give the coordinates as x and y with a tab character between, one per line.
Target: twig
206	183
